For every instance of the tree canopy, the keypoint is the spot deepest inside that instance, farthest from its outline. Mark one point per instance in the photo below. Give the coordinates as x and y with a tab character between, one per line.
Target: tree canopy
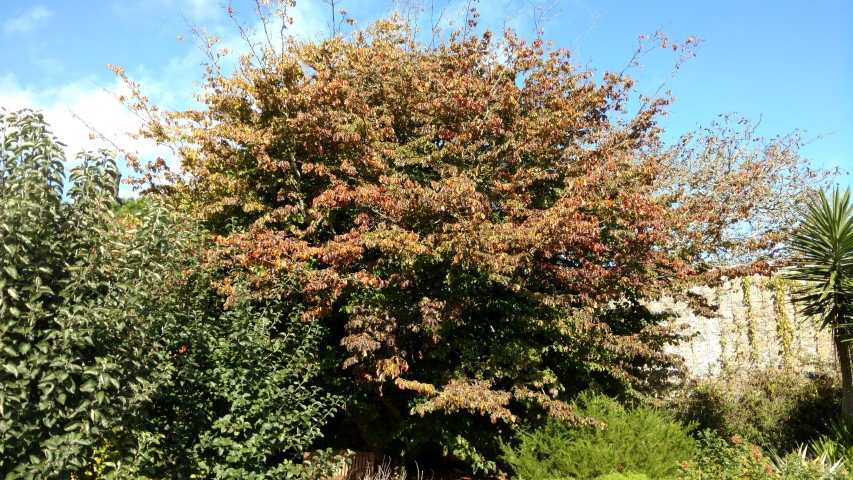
476	221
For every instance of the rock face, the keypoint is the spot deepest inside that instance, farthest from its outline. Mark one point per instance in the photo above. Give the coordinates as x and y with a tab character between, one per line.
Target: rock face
755	326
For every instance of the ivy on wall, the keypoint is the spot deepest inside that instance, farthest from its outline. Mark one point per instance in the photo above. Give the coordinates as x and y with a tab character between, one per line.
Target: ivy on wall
751	324
757	326
780	288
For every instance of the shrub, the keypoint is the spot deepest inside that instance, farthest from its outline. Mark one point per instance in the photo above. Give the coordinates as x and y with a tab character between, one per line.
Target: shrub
641	440
117	359
837	444
737	459
777	410
84	324
246	392
240	400
798	465
720	459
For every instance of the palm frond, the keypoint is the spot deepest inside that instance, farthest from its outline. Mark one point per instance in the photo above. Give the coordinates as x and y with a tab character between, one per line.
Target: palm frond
823	248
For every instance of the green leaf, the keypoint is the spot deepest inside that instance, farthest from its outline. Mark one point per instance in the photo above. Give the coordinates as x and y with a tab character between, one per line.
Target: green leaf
12	271
11	369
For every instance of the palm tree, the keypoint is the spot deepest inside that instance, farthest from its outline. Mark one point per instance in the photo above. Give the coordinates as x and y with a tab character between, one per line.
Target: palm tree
823	247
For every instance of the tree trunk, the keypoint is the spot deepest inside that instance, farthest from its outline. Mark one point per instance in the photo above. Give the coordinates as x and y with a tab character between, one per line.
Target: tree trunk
844	347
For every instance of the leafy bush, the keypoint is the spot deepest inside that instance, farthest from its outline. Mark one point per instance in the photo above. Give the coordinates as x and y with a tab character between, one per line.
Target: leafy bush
83	323
837	444
737	459
798	465
720	459
777	410
116	356
244	392
130	207
641	440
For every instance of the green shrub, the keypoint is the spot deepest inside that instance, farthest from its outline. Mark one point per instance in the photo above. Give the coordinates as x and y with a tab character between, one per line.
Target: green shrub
837	444
720	459
253	408
642	440
798	465
117	358
737	459
84	329
776	410
130	207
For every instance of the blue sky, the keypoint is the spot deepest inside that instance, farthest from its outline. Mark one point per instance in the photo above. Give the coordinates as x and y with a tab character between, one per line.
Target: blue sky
786	63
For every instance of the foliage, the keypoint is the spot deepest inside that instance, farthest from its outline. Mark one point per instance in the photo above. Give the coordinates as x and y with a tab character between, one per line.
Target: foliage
720	459
743	188
736	459
797	465
118	359
240	401
419	199
823	244
641	440
775	409
129	207
837	444
83	344
243	403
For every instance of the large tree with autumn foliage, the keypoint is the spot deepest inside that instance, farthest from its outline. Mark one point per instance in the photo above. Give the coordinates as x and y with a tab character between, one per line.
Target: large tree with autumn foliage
476	221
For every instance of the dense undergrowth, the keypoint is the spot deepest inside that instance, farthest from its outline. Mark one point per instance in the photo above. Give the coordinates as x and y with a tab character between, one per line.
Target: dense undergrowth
786	420
777	409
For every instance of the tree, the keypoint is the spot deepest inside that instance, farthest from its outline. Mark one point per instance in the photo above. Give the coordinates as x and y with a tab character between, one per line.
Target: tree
420	200
117	355
823	243
82	344
476	221
745	191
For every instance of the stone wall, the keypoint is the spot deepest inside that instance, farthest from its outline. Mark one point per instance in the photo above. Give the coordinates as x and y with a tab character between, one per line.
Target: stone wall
755	326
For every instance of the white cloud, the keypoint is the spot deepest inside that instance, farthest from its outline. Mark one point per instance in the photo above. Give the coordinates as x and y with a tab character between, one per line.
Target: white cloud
194	11
27	22
200	9
71	107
